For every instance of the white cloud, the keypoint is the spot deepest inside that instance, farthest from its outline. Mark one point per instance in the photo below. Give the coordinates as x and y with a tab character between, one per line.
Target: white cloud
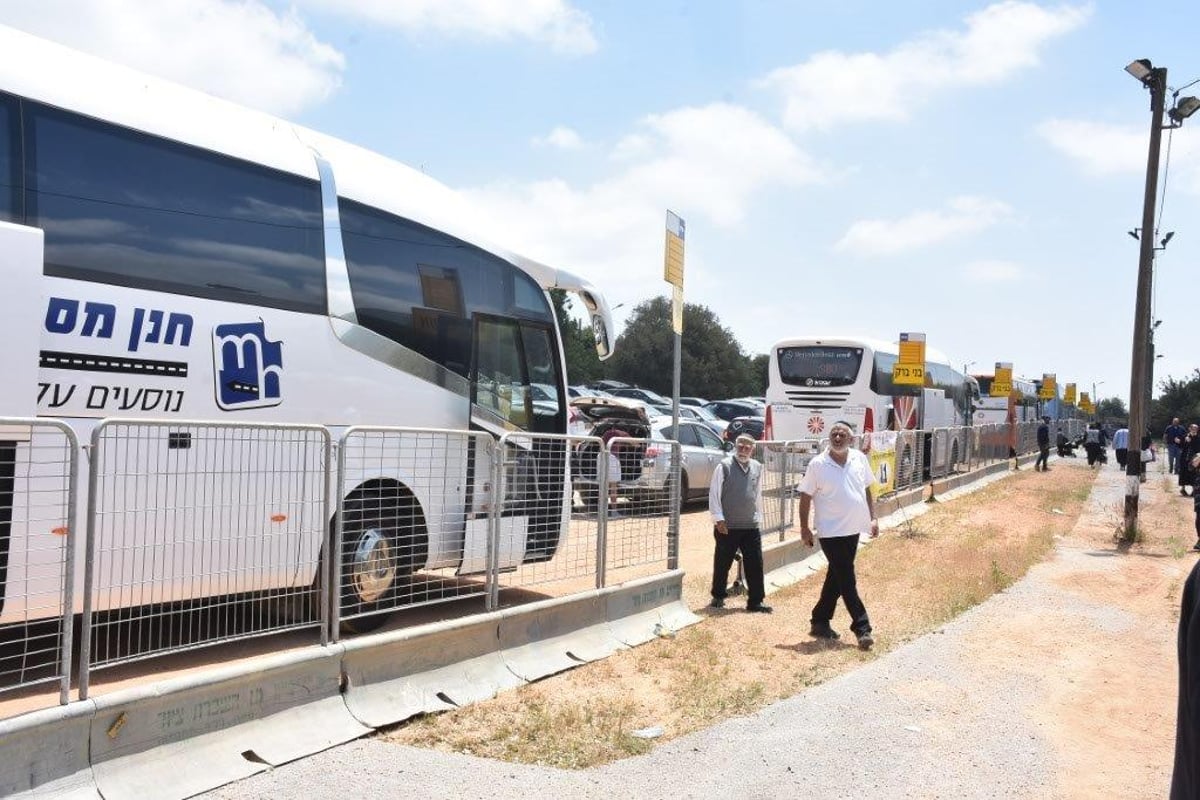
835	87
706	163
1103	149
993	271
242	51
879	237
561	138
565	29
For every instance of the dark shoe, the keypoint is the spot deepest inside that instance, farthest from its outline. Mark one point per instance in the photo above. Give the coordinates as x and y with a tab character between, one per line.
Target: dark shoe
717	602
865	640
823	632
1196	546
759	608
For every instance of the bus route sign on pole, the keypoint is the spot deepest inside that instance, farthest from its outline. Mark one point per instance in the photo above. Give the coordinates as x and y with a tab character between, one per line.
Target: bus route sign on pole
1069	394
673	266
1049	388
1002	380
673	274
909	369
1085	403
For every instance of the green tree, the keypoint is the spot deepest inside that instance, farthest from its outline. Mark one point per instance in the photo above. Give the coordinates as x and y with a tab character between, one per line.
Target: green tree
1179	398
712	363
579	346
1112	409
759	367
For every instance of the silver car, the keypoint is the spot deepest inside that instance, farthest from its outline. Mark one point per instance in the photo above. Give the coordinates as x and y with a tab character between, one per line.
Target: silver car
645	463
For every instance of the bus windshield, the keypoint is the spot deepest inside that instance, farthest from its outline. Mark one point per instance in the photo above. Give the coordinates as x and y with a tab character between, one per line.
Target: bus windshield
819	366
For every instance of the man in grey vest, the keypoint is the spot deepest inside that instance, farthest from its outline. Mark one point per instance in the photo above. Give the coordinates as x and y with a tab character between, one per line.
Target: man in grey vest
735	501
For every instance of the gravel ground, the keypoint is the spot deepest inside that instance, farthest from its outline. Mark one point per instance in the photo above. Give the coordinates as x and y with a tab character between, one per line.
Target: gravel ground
922	721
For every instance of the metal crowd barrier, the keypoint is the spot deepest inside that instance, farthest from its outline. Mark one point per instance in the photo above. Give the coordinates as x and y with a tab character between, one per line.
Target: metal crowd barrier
199	533
38	468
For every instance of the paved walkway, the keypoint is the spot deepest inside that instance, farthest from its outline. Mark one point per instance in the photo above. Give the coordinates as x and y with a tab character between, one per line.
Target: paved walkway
921	721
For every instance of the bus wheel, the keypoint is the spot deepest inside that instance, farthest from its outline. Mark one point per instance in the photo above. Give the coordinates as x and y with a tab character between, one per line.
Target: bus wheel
383	541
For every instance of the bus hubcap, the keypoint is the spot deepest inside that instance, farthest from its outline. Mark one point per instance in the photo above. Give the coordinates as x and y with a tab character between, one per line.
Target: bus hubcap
373	570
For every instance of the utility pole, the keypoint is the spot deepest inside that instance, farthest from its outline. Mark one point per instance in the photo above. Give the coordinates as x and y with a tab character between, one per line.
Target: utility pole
1154	79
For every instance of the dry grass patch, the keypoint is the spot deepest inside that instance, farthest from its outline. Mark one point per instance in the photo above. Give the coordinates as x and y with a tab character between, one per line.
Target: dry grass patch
953	557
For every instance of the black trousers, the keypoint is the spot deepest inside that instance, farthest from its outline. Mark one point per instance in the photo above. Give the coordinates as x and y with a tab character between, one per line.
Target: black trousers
840	581
1043	458
749	542
1122	456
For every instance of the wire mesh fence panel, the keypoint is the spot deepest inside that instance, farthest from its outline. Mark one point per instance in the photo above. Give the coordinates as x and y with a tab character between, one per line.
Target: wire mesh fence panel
201	533
562	483
776	486
648	499
38	536
413	526
909	459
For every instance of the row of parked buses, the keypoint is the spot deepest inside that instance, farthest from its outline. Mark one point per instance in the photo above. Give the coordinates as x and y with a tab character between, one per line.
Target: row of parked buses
814	382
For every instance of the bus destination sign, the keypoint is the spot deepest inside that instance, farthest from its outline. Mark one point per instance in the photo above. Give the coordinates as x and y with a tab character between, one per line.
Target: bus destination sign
1002	380
909	368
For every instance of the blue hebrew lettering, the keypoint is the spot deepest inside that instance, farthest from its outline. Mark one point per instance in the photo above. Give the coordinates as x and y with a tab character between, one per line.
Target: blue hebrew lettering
60	315
156	332
248	366
103	314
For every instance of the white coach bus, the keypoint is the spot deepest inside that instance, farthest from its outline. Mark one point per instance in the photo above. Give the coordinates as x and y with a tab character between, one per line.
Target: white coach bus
815	382
169	255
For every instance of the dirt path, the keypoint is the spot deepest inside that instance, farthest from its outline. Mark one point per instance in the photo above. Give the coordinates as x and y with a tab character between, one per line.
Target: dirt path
1061	685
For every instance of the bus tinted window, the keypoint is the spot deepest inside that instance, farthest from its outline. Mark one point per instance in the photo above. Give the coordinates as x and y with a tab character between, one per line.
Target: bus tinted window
9	161
421	288
819	366
125	208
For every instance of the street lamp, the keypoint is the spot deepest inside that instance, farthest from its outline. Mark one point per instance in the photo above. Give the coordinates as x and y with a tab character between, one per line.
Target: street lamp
1155	80
967	366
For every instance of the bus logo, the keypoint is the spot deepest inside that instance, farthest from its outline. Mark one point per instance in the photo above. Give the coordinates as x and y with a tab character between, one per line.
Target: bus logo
247	366
815	424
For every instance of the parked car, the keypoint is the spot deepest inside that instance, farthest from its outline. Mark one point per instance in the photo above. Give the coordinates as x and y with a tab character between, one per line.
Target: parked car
645	395
696	414
739	425
729	409
607	385
692	401
645	465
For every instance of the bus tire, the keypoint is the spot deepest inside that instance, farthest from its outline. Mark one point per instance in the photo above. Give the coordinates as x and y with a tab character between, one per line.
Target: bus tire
384	540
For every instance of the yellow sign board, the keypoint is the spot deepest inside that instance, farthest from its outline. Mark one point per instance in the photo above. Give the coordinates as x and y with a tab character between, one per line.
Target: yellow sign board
909	368
1085	403
1069	395
1049	388
1002	380
673	262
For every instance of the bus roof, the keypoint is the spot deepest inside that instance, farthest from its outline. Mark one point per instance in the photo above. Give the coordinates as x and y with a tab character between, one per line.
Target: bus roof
59	76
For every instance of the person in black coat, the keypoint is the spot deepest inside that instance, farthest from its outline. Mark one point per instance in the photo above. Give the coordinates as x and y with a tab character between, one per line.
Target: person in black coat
1185	778
1189	448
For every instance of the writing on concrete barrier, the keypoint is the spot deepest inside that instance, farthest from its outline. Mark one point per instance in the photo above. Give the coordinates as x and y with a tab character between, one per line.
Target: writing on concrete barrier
214	713
654	597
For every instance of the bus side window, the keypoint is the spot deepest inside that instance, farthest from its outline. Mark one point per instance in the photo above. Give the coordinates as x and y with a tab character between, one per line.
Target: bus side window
10	162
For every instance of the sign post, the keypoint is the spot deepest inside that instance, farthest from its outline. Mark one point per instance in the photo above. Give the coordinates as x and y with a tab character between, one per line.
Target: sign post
673	274
1069	397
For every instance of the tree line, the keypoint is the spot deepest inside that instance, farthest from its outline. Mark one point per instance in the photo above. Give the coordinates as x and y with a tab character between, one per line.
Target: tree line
712	362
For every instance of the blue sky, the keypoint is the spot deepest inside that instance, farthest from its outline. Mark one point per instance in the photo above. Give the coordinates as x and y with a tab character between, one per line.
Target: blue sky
964	169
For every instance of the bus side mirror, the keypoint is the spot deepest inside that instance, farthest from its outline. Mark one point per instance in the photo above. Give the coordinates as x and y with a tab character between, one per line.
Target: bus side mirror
603	338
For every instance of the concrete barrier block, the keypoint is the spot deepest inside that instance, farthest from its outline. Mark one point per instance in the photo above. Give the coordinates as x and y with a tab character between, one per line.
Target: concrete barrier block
436	667
176	738
640	610
45	753
555	635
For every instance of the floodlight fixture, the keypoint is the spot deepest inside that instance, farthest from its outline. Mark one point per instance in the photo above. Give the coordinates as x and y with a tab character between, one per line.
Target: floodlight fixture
1134	234
1184	108
1141	69
1170	235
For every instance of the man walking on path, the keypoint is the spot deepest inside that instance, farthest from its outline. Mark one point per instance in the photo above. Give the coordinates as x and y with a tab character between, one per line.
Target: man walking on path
1043	441
1185	780
1120	445
838	482
1173	439
735	501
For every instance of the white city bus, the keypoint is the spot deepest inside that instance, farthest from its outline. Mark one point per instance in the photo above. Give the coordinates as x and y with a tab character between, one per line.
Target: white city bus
170	255
814	382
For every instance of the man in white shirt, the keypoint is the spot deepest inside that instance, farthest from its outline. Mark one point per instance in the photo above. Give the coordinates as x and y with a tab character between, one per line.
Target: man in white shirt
838	482
735	502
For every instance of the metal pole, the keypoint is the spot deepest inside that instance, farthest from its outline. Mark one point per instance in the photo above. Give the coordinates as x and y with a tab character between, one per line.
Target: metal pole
1156	81
676	461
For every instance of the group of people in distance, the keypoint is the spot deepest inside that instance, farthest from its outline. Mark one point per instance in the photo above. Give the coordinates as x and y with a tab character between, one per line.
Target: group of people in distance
1183	460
